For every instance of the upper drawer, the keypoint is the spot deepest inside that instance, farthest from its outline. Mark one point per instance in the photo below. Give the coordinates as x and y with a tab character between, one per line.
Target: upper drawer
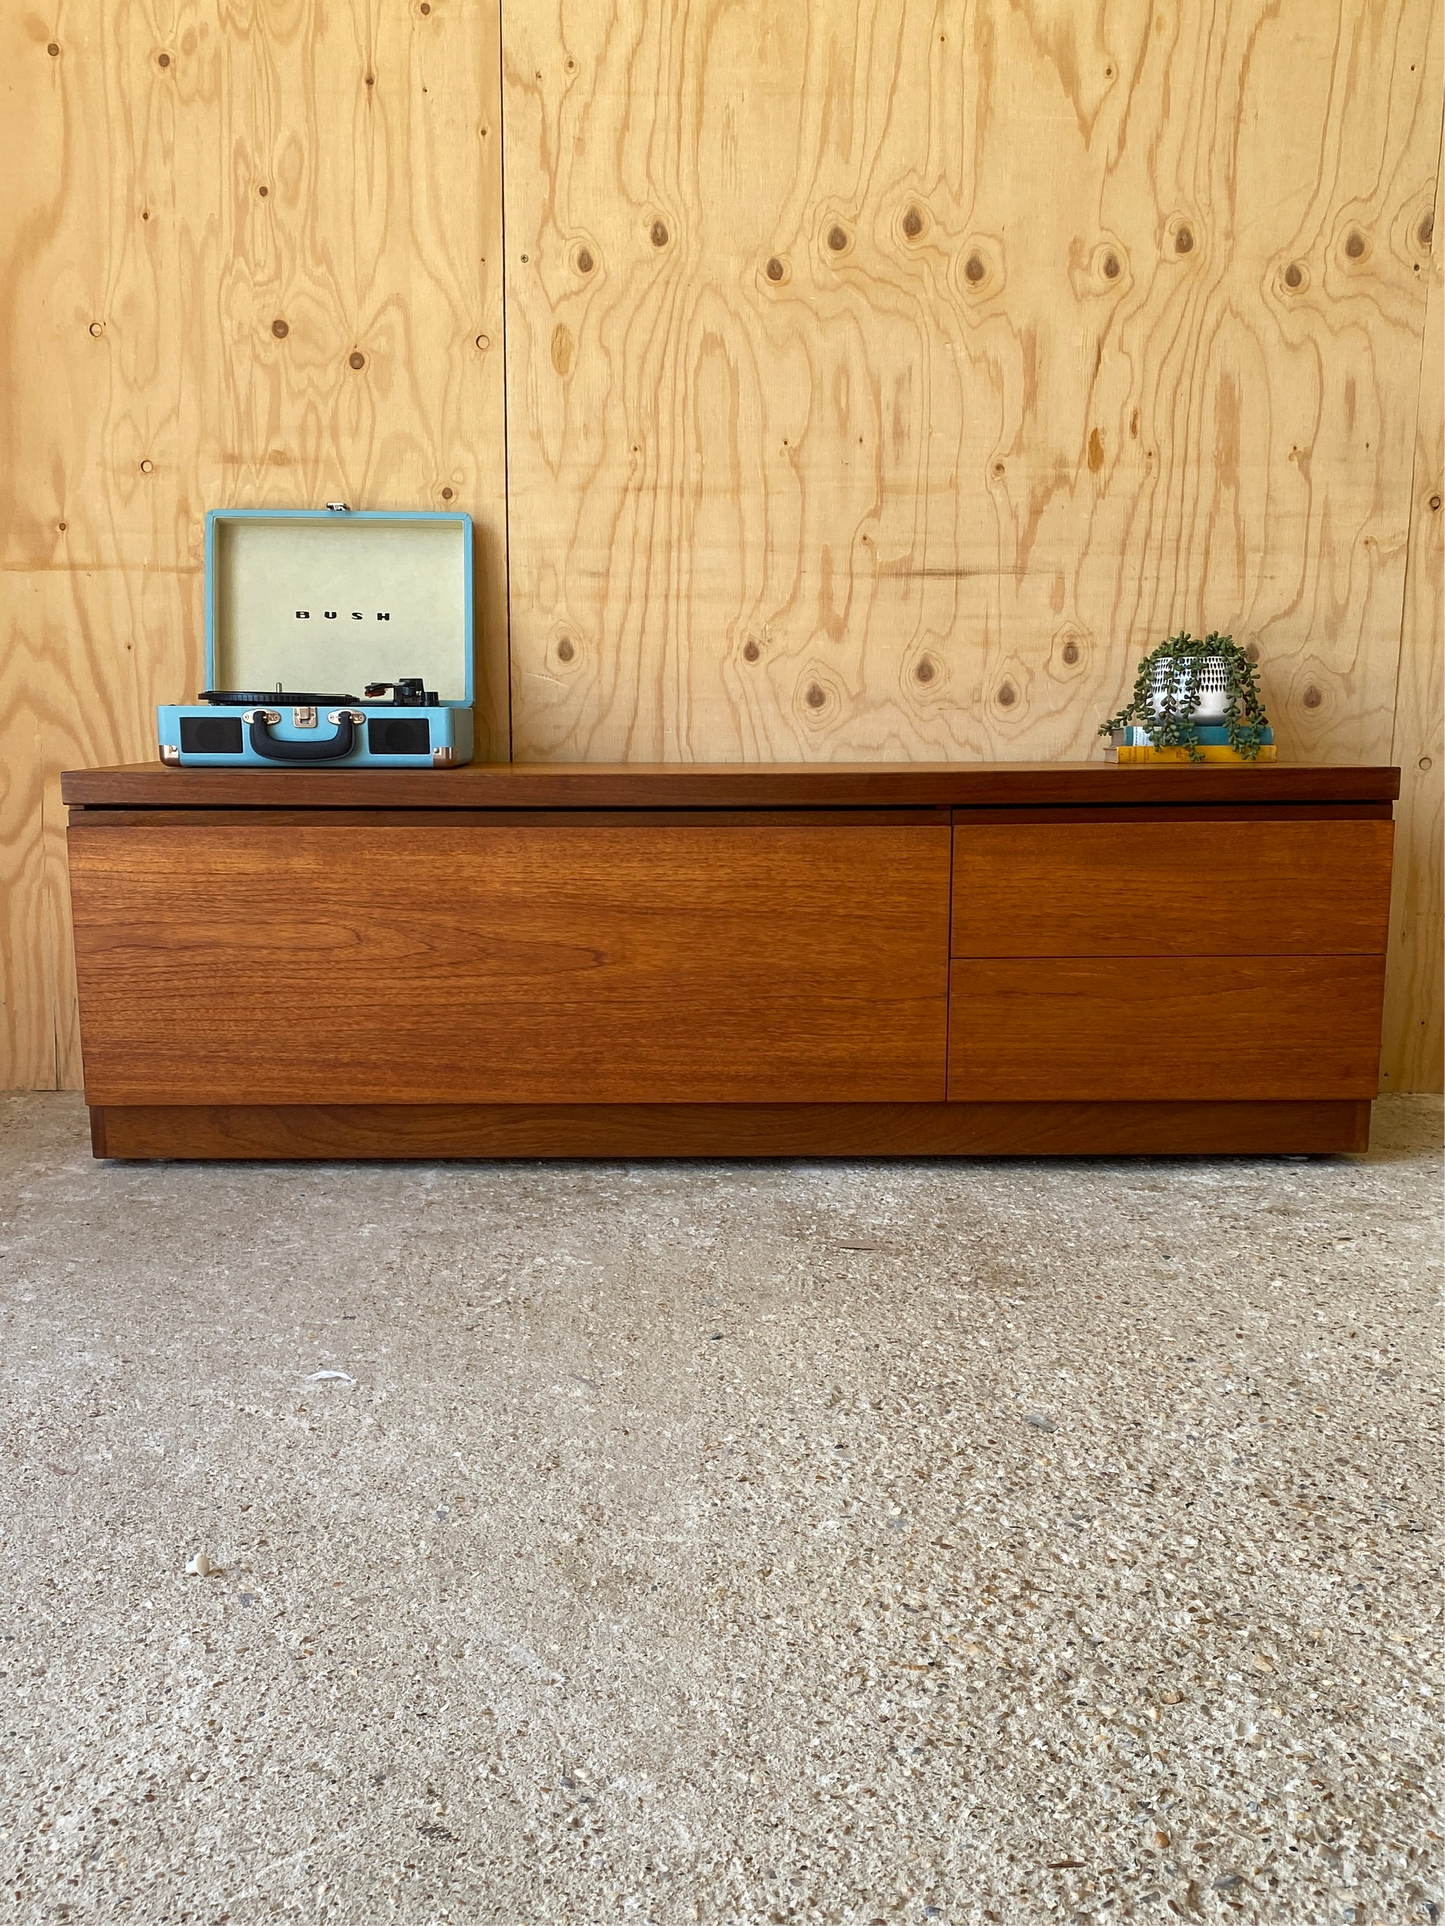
1171	888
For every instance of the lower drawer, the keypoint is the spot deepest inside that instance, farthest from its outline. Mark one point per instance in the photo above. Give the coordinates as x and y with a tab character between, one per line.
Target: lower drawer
1093	1028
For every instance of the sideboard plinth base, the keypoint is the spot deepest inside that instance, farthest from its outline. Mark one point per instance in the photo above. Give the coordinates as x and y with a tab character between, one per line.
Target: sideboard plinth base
437	1131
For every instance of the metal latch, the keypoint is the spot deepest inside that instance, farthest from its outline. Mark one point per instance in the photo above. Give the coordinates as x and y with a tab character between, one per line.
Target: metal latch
304	717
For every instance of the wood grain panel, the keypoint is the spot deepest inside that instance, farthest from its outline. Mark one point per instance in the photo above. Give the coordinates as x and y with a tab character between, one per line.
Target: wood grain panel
248	255
1170	888
727	1130
774	786
1414	1048
301	965
884	379
1250	1028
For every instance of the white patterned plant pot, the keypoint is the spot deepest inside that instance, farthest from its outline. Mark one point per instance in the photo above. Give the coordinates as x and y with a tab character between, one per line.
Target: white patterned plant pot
1211	696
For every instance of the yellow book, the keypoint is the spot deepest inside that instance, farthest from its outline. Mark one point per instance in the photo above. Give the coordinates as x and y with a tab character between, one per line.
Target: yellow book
1210	751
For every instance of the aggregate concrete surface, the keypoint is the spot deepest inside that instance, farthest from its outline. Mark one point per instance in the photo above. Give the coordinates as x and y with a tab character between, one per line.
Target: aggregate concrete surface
727	1542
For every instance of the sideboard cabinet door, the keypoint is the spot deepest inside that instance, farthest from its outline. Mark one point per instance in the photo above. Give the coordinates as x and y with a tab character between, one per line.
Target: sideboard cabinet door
348	962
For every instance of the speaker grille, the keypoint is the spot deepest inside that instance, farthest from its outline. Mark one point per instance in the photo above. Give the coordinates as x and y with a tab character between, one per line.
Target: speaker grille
211	735
385	737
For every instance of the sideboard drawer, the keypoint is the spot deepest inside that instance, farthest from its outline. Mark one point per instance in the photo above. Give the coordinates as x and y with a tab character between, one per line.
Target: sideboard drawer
1180	888
322	962
1254	1027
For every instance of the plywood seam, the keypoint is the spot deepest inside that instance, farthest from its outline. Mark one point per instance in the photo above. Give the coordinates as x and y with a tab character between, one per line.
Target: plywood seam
1430	294
506	395
1412	1057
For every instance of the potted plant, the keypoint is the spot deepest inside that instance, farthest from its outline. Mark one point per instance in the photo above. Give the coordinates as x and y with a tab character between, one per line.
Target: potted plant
1186	682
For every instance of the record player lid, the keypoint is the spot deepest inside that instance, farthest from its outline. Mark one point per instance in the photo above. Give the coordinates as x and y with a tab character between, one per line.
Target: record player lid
334	600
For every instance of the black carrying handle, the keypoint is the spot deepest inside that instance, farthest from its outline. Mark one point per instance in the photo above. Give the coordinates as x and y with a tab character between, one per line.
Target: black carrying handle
323	749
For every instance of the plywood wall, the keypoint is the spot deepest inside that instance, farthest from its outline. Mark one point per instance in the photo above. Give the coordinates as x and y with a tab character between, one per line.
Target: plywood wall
872	379
885	378
249	254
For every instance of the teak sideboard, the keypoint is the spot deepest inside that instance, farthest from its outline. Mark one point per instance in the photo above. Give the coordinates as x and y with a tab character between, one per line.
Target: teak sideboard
578	961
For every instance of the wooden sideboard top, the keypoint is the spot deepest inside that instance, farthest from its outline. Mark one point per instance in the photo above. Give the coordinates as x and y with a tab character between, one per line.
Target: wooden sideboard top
958	785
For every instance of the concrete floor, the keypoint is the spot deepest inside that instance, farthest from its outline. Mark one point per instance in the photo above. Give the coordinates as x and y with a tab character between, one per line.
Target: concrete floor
784	1542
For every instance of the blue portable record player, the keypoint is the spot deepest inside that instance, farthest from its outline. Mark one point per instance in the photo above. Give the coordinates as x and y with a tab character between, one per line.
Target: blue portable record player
300	602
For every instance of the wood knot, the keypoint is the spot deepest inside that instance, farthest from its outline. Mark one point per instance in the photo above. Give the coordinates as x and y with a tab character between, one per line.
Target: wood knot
147	467
371	80
974	269
1071	652
925	672
280	328
163	60
1312	697
1435	503
1294	275
565	650
1425	232
815	697
97	328
447	494
1251	651
585	262
263	191
484	341
1008	695
356	360
837	238
657	233
52	50
1354	244
751	651
1111	267
774	269
425	6
912	223
1183	240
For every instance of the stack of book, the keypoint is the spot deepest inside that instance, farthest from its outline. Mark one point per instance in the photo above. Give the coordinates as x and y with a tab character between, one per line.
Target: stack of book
1132	744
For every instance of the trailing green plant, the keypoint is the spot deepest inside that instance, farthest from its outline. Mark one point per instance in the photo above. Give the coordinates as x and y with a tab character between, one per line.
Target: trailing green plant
1171	724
